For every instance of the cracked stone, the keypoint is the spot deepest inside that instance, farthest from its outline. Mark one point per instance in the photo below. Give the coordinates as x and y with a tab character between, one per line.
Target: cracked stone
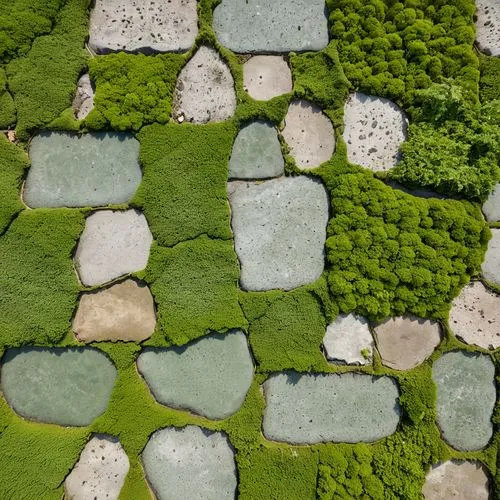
265	77
488	26
83	103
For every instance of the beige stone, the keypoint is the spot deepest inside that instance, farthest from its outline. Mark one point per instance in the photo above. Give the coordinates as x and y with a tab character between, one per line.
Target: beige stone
124	311
265	77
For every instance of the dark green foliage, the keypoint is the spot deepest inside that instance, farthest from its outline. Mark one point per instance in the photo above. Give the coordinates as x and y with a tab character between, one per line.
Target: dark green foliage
489	84
7	108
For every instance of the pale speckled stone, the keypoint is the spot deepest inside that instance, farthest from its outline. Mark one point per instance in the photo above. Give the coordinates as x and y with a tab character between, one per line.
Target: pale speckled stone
83	103
488	26
265	77
491	207
491	263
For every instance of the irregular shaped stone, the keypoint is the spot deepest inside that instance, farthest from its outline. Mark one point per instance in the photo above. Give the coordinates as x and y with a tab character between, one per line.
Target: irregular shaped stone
205	89
210	376
265	77
374	130
65	386
491	263
89	170
146	26
256	153
277	26
457	480
190	463
124	311
100	472
406	342
309	134
488	26
465	398
314	408
491	207
112	244
279	231
83	103
349	340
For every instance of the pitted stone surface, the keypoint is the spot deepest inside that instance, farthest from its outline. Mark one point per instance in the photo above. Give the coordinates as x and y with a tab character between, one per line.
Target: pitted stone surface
272	26
89	170
475	316
83	103
491	263
145	26
279	231
190	463
124	311
313	408
205	89
465	398
349	340
374	130
65	386
211	376
256	153
100	472
491	207
457	480
488	26
406	342
112	244
309	134
265	77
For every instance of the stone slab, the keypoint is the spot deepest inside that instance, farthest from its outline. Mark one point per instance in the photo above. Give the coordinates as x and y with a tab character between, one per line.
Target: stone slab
491	207
466	396
124	311
256	153
314	408
488	26
211	376
83	103
491	263
265	77
112	244
89	170
65	386
279	231
274	26
190	463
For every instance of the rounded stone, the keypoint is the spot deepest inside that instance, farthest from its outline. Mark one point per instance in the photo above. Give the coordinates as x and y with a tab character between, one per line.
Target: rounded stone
190	463
100	472
488	26
491	207
124	311
309	134
491	263
112	244
265	77
374	130
83	103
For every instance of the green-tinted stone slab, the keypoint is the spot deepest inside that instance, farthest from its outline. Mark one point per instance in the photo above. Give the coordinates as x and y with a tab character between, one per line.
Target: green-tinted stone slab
58	385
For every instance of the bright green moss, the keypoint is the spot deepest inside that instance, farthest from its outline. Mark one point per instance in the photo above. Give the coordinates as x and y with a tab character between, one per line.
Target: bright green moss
489	84
7	108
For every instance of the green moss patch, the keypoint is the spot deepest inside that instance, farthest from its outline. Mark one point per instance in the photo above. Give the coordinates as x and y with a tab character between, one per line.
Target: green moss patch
489	84
7	108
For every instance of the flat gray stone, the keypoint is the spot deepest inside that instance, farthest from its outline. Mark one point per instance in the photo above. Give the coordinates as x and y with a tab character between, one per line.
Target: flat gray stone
349	340
374	130
210	376
466	397
100	472
488	26
274	26
256	153
124	311
146	26
190	463
89	170
279	231
83	103
65	386
314	408
309	134
205	89
265	77
406	342
112	244
491	207
491	263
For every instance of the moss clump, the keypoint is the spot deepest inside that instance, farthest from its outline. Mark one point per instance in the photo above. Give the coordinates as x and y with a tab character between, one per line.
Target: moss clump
7	108
489	84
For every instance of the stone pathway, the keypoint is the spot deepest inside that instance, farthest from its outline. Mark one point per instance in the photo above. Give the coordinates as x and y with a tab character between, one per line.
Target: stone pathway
491	264
83	103
488	26
265	77
491	207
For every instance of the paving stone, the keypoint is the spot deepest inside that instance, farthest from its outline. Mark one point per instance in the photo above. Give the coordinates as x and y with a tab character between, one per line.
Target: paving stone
100	472
265	77
491	263
349	340
457	480
65	386
309	134
491	207
488	26
112	244
277	26
256	153
465	398
89	170
406	342
190	463
124	311
205	89
83	103
279	231
374	129
147	26
313	408
211	376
